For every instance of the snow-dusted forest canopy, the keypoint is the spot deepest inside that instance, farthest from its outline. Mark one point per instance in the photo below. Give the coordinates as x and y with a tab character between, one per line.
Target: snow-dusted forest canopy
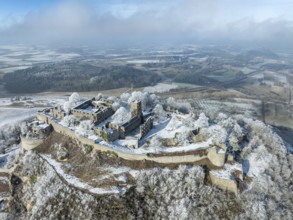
77	76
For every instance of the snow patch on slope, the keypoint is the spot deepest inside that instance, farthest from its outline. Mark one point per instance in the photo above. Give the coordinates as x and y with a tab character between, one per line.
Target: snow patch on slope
77	182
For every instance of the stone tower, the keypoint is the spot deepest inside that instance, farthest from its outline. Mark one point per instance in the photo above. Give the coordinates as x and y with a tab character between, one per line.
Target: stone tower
136	110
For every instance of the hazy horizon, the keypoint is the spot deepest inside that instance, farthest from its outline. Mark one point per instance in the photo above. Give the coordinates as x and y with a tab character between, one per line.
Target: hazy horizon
263	23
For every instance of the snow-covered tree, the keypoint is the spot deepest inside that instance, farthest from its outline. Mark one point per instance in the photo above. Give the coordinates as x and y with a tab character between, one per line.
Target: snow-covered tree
116	106
67	106
121	116
180	106
201	122
74	98
23	128
139	96
182	137
217	134
112	98
237	130
69	121
72	101
12	159
99	96
125	96
154	99
85	128
221	116
160	113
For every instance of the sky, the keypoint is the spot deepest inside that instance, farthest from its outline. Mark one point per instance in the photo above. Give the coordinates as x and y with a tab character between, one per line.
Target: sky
265	23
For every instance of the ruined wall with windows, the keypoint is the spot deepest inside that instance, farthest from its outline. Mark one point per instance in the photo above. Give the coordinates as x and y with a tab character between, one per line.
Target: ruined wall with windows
103	115
99	112
130	126
146	127
57	112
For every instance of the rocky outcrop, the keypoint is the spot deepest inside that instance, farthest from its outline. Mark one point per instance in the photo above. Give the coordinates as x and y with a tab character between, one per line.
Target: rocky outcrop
216	155
30	143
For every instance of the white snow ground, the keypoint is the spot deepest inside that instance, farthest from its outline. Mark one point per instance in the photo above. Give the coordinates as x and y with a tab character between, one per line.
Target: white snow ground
160	87
14	115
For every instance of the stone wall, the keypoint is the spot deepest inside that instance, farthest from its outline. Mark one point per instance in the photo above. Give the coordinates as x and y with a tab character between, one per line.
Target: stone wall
103	115
127	156
196	136
136	109
224	184
108	134
84	104
130	125
57	112
146	127
98	117
78	113
217	156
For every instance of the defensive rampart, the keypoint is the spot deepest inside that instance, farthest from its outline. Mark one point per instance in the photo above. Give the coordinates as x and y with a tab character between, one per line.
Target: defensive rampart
224	184
127	156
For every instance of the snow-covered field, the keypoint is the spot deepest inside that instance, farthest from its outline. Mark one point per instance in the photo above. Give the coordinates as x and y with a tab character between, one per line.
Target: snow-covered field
13	115
20	57
31	101
160	87
142	61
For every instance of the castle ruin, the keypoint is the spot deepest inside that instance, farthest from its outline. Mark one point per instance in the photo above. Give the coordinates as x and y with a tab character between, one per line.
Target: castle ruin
100	110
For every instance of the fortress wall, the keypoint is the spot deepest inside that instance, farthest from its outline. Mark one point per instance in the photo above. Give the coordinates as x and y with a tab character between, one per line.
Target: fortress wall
103	115
131	125
82	114
224	184
146	127
42	117
29	143
177	159
84	104
127	156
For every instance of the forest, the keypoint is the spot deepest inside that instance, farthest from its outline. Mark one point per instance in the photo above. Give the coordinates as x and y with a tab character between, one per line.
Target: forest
76	76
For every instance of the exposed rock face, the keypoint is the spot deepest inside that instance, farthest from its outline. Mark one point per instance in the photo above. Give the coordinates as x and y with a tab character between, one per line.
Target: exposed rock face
216	156
30	143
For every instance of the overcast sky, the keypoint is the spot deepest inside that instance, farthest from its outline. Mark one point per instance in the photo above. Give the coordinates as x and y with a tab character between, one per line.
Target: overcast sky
266	23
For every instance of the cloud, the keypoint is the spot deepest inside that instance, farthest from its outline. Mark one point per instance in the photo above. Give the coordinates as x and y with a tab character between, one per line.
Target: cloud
76	22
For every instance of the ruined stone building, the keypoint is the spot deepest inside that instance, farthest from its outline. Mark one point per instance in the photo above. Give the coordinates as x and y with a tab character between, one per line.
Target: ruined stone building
146	127
40	129
113	132
97	111
57	112
135	121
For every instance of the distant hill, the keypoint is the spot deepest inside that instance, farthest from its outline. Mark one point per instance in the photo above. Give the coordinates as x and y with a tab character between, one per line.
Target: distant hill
76	76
